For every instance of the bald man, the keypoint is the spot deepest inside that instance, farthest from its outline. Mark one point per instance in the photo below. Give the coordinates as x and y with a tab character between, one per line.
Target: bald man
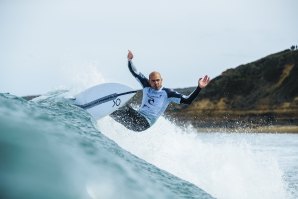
156	99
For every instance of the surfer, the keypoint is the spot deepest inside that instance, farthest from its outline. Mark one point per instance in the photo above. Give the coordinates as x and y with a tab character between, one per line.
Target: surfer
156	99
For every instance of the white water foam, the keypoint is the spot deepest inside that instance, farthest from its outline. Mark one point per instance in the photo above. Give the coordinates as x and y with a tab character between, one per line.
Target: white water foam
226	169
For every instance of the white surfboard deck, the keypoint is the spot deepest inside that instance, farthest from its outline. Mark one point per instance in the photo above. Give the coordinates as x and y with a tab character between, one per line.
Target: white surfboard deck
103	99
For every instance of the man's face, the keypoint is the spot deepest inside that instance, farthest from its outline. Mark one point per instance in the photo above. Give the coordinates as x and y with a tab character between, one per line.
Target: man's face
155	81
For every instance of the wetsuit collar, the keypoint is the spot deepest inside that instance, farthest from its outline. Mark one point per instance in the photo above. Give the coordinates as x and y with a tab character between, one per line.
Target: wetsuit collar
158	89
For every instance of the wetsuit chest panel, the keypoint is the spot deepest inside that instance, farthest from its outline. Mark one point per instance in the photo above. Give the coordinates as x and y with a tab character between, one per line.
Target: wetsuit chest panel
153	100
154	103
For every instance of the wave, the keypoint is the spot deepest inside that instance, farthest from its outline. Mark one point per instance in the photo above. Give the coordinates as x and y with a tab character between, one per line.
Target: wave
225	165
53	149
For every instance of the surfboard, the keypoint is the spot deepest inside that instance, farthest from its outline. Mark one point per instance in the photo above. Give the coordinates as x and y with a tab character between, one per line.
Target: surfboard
103	99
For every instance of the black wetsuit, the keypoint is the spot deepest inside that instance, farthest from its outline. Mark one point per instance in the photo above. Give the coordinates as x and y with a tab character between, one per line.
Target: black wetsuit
154	103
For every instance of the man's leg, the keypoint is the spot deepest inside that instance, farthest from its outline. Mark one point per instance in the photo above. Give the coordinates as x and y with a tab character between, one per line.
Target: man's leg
130	118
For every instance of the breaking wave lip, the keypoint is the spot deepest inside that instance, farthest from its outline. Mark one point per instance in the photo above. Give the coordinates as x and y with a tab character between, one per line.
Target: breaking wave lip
225	167
53	150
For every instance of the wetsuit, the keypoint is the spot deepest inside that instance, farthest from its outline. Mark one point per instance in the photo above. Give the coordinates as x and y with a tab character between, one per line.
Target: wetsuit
154	103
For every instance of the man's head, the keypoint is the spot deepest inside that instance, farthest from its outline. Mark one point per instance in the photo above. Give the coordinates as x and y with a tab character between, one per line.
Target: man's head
155	80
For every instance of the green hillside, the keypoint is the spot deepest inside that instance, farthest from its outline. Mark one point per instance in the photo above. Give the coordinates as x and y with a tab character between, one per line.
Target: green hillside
261	93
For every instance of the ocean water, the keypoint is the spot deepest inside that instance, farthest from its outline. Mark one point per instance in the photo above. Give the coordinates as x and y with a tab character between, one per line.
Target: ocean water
52	149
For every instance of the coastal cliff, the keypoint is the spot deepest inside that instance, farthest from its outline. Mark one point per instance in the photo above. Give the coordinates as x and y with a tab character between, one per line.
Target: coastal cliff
260	94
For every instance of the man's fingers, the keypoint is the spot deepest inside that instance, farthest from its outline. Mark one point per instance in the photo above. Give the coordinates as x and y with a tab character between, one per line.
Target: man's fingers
207	79
203	82
129	55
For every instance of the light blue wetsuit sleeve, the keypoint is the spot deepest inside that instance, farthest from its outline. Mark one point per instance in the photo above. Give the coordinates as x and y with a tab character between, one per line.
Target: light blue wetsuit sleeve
139	76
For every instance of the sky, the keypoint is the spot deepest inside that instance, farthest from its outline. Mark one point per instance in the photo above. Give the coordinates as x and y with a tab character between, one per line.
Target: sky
73	44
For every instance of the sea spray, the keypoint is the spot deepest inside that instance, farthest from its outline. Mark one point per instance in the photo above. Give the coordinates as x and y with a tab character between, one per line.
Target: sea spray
220	164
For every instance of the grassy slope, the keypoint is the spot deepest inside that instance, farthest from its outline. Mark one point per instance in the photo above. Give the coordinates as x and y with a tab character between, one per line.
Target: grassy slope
258	93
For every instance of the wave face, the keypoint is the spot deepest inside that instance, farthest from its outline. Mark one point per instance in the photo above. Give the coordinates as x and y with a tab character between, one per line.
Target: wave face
52	149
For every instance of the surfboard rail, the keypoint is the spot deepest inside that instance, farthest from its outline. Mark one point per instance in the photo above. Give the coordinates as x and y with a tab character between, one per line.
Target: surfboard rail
104	99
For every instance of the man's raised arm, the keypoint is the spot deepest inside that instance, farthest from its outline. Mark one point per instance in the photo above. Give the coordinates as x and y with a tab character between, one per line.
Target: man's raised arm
139	76
202	83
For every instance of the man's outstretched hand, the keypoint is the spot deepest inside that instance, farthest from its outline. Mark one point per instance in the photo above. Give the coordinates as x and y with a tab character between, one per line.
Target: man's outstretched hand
129	55
203	82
